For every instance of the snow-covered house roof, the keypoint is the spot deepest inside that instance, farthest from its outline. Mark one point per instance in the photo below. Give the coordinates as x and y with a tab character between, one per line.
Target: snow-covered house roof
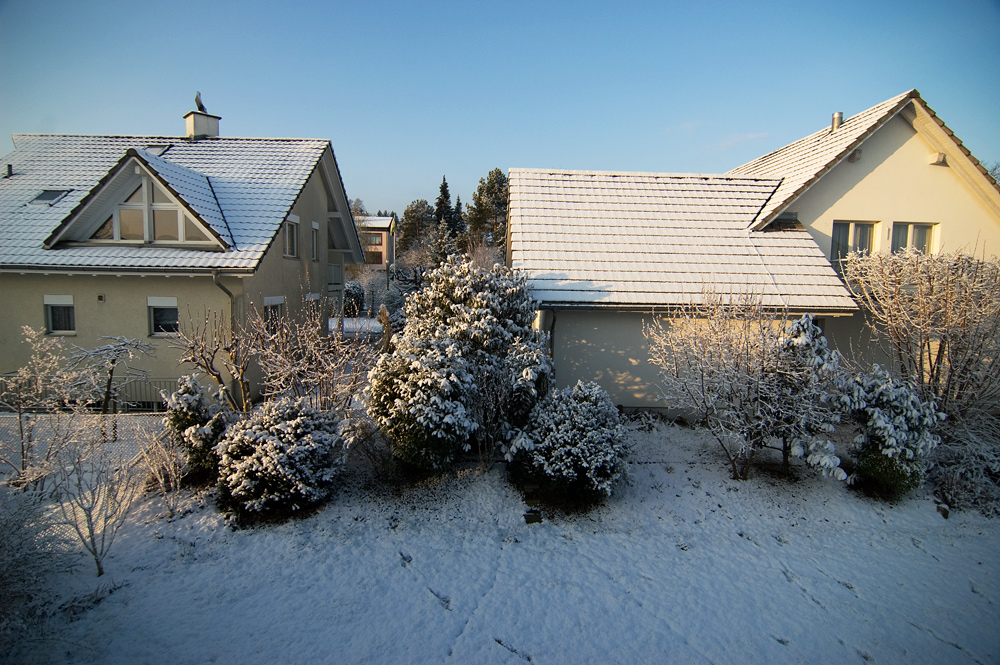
372	223
236	191
646	240
802	163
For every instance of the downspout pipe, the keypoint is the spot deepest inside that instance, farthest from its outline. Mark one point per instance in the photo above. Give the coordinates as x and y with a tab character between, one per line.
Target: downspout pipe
232	298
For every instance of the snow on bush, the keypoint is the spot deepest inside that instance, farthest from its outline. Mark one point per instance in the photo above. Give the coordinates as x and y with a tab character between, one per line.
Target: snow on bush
805	374
895	431
27	557
752	376
197	423
466	369
354	298
282	457
573	442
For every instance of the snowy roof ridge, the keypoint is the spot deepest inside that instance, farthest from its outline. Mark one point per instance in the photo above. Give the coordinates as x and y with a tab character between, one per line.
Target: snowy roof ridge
644	240
803	162
242	189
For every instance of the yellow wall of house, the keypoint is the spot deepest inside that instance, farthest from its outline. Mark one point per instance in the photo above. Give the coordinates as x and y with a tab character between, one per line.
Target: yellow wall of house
124	309
607	347
123	313
893	181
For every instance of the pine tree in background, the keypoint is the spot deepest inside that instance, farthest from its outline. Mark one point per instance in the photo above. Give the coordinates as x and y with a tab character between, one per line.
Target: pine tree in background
418	218
442	208
456	224
487	215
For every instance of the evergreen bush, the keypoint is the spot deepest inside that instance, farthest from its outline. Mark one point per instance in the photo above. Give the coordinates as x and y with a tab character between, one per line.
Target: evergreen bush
573	444
284	456
466	369
197	423
354	299
895	432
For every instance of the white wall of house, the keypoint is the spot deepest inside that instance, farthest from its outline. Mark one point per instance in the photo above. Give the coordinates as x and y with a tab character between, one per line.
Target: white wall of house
894	181
607	347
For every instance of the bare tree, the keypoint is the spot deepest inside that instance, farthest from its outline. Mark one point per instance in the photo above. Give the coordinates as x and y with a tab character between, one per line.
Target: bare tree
940	317
96	487
164	458
103	361
299	357
46	396
750	377
215	345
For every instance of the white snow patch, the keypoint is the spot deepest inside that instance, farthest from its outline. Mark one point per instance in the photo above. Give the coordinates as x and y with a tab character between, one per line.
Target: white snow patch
683	565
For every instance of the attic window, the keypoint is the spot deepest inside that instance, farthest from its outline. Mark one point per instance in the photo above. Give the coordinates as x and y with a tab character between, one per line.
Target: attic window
150	214
49	197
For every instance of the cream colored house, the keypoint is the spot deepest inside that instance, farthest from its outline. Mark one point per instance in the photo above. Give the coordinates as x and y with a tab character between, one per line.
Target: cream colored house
378	237
132	235
604	251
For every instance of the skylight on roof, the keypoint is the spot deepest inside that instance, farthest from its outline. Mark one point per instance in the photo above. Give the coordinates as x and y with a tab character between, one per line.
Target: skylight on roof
49	197
158	148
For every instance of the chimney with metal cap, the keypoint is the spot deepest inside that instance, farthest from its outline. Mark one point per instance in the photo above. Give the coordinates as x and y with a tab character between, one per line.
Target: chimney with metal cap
838	120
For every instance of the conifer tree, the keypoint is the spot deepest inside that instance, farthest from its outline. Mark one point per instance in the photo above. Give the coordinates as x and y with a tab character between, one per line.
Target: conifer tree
442	209
487	215
418	218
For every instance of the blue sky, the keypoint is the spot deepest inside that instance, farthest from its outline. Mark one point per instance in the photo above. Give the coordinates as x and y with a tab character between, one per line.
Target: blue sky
410	91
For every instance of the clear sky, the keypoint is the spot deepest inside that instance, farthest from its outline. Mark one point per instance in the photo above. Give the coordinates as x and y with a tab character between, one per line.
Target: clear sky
410	91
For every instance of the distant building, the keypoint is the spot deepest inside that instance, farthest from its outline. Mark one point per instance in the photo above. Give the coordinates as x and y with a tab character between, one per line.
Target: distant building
378	237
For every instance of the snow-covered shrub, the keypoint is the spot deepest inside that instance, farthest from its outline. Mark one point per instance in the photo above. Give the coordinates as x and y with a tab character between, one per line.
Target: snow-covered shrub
573	443
751	376
282	457
196	422
805	378
27	557
965	467
466	369
895	431
354	298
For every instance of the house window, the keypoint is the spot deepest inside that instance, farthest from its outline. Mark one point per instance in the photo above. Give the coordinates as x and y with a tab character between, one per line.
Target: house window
373	258
274	311
371	238
149	214
315	241
162	315
850	237
291	238
911	236
60	317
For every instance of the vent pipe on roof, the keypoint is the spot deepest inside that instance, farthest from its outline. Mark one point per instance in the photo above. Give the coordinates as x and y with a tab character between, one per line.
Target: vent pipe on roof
838	120
200	125
10	171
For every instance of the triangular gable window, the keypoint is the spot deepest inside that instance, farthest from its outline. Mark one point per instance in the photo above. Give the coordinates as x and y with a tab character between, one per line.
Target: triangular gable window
149	214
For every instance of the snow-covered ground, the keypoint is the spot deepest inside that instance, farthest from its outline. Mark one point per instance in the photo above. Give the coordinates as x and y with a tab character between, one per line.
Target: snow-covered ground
683	565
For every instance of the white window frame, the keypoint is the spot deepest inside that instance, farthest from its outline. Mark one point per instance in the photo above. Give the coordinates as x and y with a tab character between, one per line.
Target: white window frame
58	301
291	237
910	226
852	239
156	303
147	207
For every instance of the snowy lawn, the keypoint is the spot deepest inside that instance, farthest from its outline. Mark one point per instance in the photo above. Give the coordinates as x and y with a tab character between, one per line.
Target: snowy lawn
683	565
